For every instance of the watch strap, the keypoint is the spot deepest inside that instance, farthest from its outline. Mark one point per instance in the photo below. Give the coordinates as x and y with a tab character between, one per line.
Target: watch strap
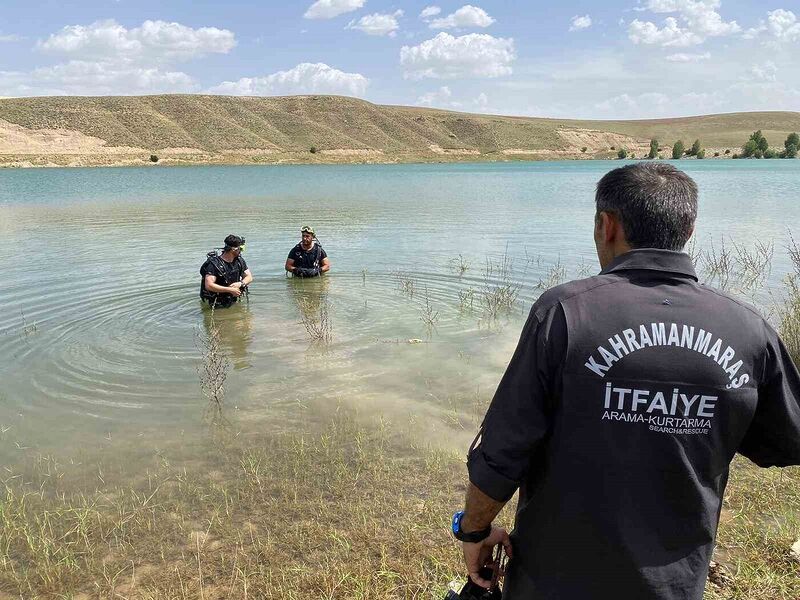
473	537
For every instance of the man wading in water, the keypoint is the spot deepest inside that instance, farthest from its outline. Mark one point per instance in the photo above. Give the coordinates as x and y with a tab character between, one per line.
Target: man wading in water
308	258
225	276
618	416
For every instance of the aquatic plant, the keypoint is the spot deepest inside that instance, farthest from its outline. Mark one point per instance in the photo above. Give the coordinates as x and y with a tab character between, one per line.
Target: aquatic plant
429	315
213	371
316	318
459	265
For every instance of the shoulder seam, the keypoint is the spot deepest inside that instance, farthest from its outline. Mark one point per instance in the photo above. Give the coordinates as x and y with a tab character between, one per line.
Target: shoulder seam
560	299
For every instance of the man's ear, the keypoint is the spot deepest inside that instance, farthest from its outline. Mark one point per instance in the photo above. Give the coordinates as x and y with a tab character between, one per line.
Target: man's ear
607	225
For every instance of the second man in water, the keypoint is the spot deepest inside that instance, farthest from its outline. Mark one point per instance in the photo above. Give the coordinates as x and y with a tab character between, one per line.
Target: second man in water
308	258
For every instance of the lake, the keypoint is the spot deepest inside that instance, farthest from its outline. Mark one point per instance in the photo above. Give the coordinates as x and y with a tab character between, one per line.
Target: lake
102	326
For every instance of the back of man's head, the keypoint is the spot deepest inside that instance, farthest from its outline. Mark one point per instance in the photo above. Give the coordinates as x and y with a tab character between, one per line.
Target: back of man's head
233	241
655	202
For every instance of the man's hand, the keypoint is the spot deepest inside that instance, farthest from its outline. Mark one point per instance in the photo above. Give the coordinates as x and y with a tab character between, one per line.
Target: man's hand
236	284
477	555
234	291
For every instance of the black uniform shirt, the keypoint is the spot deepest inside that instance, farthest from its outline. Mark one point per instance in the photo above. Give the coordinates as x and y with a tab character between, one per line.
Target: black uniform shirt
308	259
626	399
226	274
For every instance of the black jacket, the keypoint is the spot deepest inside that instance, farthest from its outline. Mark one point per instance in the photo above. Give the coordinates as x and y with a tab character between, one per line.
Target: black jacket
626	399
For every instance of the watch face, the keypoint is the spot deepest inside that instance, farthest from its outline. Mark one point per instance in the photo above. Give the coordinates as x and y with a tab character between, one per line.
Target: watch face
457	522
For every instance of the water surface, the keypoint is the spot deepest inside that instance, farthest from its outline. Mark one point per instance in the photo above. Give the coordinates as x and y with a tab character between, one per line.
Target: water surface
101	315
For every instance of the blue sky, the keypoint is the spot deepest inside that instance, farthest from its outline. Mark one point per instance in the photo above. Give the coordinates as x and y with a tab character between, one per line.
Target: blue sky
616	59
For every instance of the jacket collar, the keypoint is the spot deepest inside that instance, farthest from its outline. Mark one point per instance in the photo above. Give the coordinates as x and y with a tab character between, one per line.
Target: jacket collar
653	259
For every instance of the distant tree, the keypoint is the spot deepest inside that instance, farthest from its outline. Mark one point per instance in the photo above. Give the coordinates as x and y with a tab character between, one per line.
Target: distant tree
790	152
677	149
694	149
716	154
153	158
313	150
758	154
622	154
584	149
761	142
770	153
701	154
653	149
750	148
792	140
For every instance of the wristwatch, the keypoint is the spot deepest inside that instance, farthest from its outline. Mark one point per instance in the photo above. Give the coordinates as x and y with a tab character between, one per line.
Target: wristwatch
473	537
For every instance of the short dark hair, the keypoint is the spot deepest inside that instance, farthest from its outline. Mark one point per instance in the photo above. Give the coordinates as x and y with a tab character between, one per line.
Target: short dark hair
233	241
656	203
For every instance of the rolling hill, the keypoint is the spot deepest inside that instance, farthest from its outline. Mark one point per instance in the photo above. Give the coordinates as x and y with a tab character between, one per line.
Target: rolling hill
195	129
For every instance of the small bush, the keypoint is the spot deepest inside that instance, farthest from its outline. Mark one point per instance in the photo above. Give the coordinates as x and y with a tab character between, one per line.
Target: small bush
727	151
613	147
770	153
701	154
584	149
622	154
313	150
716	154
677	150
153	158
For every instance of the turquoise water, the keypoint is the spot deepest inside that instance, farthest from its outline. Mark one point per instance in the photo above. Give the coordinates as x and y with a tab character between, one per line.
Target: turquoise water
101	317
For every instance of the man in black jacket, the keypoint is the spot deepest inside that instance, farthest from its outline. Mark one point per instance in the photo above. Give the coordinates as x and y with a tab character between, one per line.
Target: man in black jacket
225	276
308	258
618	416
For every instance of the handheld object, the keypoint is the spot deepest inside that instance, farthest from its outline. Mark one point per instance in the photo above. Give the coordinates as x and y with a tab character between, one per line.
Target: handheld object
472	591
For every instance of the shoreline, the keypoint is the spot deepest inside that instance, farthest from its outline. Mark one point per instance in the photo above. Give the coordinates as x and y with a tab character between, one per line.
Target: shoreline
41	161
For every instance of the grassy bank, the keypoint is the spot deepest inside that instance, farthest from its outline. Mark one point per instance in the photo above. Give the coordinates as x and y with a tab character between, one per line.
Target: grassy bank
351	511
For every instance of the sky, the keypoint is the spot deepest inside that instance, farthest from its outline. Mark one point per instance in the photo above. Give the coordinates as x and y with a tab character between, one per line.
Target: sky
571	59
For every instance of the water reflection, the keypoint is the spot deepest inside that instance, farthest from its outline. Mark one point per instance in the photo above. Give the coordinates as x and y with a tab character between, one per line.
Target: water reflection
311	297
235	330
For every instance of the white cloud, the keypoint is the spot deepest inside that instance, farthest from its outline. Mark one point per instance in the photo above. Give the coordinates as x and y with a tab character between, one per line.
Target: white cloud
440	97
653	101
448	57
83	78
10	37
783	25
305	78
699	20
429	11
682	57
443	98
766	72
328	9
645	32
152	41
579	22
378	24
466	16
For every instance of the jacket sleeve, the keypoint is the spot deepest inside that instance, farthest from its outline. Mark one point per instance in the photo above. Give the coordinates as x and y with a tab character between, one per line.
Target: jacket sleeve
519	416
773	439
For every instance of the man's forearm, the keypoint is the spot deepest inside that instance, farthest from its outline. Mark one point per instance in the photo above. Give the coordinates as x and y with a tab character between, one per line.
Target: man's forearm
479	509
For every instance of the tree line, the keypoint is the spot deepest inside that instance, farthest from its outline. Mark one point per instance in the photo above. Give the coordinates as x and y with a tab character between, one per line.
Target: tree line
755	147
